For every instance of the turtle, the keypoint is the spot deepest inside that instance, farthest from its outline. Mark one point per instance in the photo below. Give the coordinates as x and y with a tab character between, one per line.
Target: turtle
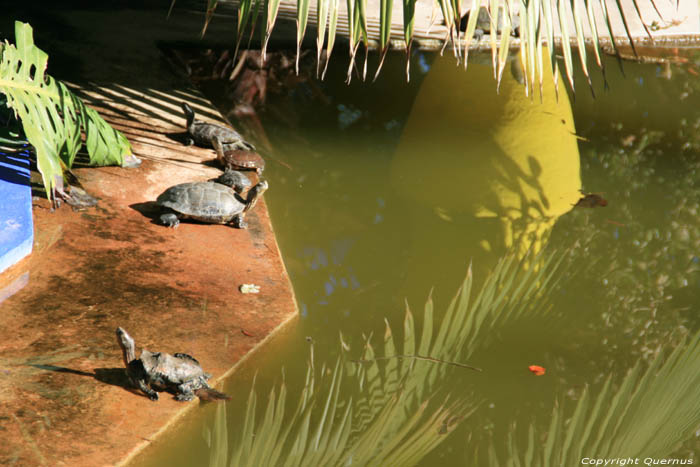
210	202
591	200
483	23
234	179
180	374
241	159
211	135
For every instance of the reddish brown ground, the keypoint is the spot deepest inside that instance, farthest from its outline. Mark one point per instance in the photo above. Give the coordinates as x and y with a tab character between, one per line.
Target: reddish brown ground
64	397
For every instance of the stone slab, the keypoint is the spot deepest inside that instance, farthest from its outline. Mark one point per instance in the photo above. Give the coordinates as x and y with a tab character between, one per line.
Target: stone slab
64	397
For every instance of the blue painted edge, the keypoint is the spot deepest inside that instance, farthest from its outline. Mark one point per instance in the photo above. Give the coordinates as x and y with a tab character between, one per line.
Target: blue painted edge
13	256
16	222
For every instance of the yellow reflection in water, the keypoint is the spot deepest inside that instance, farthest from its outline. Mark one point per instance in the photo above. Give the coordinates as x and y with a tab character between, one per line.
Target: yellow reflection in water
481	155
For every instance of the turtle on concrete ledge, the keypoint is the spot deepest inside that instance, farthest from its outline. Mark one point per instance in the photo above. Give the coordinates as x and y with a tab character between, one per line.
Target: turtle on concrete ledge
210	135
211	202
179	374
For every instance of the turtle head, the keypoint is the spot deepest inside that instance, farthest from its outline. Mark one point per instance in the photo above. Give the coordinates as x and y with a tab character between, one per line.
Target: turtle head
126	342
233	179
254	194
189	113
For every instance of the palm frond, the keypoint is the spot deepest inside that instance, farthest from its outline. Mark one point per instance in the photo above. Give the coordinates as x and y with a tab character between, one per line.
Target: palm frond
332	26
542	23
512	288
390	413
649	415
318	432
52	117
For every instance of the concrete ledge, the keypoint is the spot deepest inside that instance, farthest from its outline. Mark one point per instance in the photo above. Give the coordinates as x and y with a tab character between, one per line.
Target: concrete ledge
64	396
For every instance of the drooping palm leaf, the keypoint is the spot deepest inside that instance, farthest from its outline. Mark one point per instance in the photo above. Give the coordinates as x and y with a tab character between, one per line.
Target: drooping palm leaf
409	16
52	117
321	22
211	6
471	28
650	413
302	19
361	9
273	7
332	25
385	8
538	21
581	41
245	10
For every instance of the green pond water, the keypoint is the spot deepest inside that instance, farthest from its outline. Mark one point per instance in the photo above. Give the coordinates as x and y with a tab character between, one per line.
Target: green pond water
383	194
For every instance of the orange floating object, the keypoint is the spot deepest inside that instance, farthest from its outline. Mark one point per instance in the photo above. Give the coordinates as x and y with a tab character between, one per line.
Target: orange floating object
537	370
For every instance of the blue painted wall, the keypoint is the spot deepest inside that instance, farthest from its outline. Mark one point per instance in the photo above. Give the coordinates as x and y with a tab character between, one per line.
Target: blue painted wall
16	225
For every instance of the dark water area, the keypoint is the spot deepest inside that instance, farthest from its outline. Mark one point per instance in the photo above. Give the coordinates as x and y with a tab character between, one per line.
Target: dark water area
383	194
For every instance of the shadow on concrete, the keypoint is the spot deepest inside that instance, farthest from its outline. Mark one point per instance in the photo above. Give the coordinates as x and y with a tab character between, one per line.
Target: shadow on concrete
111	376
148	209
178	137
14	167
142	101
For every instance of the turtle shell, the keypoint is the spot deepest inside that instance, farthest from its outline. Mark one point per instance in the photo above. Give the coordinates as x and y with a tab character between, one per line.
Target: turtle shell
165	370
202	201
243	159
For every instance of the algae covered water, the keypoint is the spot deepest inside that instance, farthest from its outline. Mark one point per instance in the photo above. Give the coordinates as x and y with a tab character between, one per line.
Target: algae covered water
566	227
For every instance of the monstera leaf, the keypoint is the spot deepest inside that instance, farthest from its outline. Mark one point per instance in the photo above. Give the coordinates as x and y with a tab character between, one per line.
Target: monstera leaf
54	120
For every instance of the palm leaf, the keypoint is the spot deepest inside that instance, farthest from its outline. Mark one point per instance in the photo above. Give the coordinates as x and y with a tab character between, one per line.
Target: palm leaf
332	24
471	28
388	414
537	23
52	117
211	6
409	16
385	10
302	19
321	22
580	40
510	289
318	432
245	9
273	7
649	415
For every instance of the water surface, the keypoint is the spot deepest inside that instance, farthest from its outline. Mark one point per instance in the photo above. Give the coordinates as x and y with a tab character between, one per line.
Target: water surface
383	194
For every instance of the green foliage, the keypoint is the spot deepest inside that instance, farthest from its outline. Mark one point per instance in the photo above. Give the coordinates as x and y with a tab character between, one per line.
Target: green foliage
538	21
52	117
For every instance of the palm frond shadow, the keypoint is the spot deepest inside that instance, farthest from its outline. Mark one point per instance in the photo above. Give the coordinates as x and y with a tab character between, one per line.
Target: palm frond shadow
649	415
384	410
53	118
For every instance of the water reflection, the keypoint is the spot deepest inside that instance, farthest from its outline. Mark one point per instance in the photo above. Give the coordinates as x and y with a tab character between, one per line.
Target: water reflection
371	215
489	172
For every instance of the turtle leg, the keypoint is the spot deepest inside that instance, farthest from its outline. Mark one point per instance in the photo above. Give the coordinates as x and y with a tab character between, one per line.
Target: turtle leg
170	219
189	141
184	392
219	148
239	222
242	145
147	390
